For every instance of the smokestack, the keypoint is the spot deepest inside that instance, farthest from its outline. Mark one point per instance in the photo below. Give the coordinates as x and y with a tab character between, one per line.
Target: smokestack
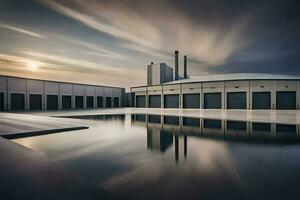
185	67
176	65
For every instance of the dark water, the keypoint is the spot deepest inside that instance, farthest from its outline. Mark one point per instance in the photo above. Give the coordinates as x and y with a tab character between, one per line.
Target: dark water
164	157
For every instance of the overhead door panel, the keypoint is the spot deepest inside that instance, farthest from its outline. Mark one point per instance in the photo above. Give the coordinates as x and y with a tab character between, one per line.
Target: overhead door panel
35	102
286	100
171	101
261	100
236	100
90	102
154	101
99	102
213	100
116	102
52	102
1	101
191	101
66	102
140	101
108	102
17	102
79	102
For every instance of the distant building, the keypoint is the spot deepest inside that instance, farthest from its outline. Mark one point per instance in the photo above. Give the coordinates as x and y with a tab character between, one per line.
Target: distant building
21	94
222	91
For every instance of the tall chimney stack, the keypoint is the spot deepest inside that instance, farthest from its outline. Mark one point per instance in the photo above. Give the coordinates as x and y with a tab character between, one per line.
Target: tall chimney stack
185	67
176	65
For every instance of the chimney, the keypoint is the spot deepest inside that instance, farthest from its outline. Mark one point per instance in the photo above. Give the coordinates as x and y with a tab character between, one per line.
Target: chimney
176	65
185	67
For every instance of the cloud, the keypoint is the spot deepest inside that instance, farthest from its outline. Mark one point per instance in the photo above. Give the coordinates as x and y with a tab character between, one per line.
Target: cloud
21	30
159	32
70	61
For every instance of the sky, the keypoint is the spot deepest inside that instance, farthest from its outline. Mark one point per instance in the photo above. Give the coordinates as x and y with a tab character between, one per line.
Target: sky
110	42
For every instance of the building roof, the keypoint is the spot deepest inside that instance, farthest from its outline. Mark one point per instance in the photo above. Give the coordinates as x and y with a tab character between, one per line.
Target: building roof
234	77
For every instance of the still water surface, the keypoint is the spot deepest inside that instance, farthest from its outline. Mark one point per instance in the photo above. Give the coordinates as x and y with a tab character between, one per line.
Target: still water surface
163	157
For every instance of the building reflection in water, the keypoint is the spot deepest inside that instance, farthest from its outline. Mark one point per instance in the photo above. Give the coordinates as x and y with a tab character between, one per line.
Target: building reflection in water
165	132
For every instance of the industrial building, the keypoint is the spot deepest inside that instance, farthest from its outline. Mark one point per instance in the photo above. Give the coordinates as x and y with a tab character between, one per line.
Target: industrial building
21	94
225	91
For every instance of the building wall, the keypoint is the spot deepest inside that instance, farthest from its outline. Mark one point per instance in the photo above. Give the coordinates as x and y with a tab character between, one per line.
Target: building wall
224	87
10	85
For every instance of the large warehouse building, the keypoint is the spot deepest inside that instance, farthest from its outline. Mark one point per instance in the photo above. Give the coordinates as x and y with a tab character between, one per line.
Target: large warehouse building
17	94
226	91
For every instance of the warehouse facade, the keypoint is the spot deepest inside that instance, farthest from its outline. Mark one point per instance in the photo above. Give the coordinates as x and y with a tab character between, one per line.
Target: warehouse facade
21	94
226	91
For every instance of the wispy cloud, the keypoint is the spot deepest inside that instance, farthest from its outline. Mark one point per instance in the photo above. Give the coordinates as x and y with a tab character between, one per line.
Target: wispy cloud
21	30
69	61
155	32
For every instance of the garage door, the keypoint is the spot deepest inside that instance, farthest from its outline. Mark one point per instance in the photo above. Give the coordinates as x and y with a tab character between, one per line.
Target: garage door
212	123
171	101
213	100
52	102
116	102
1	101
66	102
140	101
154	101
17	102
35	102
261	100
78	101
90	102
236	100
99	102
286	100
108	102
191	101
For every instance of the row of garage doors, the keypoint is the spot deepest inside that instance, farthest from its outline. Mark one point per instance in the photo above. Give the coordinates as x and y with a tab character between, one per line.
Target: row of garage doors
235	100
35	102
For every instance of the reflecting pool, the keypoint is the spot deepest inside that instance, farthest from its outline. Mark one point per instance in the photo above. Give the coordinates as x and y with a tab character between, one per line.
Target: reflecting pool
171	157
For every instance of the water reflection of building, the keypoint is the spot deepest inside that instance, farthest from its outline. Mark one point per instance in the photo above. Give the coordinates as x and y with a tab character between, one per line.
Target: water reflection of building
163	132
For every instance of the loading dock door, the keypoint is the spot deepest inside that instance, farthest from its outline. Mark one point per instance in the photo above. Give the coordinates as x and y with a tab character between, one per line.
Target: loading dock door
79	102
140	101
90	102
116	102
35	102
154	101
17	102
99	102
213	100
191	101
171	101
108	102
261	100
66	102
286	100
236	100
52	102
1	101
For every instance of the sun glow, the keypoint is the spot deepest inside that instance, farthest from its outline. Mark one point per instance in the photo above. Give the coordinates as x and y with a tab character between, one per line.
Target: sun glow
33	65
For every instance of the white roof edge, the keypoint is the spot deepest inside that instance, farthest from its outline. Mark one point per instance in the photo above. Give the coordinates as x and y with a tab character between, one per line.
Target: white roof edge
235	76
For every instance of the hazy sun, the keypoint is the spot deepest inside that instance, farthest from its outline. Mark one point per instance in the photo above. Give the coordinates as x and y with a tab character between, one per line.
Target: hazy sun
32	65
